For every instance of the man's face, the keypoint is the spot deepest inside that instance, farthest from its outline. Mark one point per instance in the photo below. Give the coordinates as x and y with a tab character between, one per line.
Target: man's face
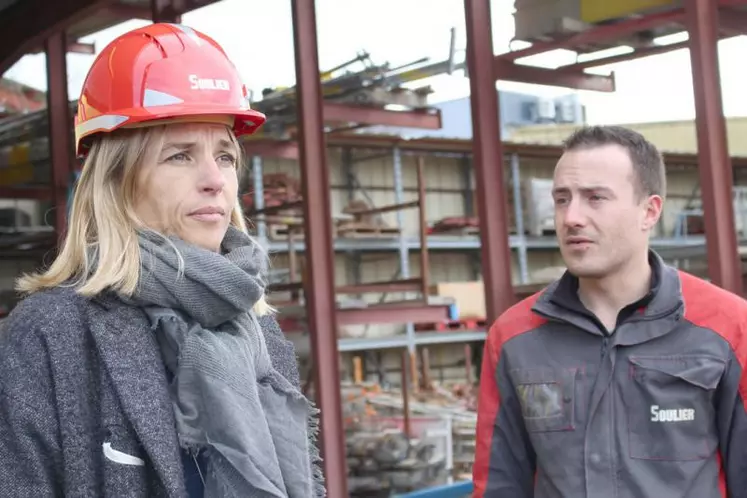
601	220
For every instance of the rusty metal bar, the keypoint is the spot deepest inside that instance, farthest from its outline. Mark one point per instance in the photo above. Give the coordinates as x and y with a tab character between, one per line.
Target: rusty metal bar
271	148
733	20
405	394
430	120
166	11
635	54
60	125
27	24
425	274
488	161
413	311
468	364
319	286
599	34
38	193
410	284
509	71
404	285
384	209
715	168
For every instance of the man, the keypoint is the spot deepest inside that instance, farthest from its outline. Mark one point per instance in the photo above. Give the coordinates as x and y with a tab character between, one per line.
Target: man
624	378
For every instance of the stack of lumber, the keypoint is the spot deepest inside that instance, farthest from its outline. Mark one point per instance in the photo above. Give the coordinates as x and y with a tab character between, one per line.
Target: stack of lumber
456	225
362	223
278	189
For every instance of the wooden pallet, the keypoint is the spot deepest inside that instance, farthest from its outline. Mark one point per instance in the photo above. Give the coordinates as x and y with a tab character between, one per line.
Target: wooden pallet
280	232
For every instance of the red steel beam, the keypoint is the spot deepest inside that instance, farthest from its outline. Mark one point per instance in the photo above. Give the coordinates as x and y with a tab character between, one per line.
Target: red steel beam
271	148
26	24
488	160
635	54
733	20
411	312
509	71
60	121
599	34
377	116
715	168
36	193
319	285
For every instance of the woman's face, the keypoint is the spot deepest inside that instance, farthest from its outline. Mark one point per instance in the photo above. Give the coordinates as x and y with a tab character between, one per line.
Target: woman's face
190	187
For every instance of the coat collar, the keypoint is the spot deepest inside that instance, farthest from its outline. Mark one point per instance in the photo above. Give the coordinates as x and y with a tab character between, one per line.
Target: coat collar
121	332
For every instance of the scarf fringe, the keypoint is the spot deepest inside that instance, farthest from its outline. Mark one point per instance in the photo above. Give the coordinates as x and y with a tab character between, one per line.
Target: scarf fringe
317	472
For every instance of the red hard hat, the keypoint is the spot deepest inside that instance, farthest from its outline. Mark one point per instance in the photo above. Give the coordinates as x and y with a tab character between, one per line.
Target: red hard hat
162	72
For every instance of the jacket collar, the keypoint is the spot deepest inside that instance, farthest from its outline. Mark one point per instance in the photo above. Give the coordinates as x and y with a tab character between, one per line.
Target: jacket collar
121	331
658	313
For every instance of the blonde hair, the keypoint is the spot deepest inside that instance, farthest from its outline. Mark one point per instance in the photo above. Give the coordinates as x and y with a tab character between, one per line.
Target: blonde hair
102	222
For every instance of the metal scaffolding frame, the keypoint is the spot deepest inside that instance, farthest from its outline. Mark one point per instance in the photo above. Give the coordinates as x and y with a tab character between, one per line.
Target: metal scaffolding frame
36	23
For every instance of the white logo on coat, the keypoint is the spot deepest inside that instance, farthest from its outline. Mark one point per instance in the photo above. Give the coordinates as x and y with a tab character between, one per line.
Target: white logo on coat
672	415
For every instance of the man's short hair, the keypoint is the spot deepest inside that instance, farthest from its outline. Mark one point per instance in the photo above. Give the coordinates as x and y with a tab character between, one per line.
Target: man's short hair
648	164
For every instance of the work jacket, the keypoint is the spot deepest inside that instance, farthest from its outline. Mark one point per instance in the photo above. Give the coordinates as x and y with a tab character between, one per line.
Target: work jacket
85	409
655	409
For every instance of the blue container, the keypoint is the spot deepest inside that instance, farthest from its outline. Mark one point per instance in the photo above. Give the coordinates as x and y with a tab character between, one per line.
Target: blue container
461	489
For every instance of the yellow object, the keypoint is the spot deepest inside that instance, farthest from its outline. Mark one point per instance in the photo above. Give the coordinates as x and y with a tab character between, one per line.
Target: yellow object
594	11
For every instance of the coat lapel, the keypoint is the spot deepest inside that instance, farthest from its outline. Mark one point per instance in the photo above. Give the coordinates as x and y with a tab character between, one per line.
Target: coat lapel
131	355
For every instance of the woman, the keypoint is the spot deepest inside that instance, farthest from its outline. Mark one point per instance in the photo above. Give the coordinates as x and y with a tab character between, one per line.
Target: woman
145	361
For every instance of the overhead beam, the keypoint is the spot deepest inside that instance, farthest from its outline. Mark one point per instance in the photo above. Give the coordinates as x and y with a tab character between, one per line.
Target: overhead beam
504	70
604	33
733	20
381	117
27	24
635	54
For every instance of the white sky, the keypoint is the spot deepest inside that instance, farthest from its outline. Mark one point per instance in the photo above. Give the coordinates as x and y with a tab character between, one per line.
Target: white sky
257	35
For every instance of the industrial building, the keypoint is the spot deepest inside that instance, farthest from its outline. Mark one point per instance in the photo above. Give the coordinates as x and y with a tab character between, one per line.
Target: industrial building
398	236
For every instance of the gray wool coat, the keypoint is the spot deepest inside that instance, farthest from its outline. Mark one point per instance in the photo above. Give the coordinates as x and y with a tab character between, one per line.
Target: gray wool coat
84	404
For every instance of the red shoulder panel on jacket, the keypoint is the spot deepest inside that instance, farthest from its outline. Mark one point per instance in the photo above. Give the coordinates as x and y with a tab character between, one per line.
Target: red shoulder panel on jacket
716	309
516	320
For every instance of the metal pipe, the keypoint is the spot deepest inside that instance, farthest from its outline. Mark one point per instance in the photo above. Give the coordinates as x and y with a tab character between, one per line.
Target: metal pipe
60	121
404	253
488	161
519	215
259	197
724	265
319	289
425	273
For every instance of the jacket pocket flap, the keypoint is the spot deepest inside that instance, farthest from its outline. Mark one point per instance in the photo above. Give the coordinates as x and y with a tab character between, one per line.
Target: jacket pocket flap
700	370
540	375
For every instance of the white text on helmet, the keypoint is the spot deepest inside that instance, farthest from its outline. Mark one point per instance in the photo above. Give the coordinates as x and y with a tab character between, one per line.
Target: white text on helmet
208	83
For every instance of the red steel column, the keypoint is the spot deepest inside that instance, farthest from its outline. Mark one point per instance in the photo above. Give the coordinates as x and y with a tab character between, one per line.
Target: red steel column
488	160
319	288
60	126
724	266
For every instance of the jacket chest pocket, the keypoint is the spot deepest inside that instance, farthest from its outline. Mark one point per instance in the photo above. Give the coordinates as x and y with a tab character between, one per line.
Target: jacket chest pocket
126	469
669	401
547	397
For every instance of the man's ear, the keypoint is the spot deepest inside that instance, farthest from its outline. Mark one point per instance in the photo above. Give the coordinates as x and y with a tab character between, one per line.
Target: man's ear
653	206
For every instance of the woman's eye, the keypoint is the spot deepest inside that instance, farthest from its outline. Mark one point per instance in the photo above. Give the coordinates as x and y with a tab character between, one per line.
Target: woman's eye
180	157
227	159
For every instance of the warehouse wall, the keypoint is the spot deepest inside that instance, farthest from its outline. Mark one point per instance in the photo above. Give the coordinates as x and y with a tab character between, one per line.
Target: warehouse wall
669	136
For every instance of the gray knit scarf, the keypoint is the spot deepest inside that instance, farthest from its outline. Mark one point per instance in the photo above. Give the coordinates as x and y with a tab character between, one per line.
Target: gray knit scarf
256	429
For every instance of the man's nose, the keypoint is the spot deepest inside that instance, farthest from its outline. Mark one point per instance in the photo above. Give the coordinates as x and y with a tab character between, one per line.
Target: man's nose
574	214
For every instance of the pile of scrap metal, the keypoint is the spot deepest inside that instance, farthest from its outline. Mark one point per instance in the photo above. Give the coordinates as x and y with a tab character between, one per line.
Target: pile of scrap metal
384	460
373	85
